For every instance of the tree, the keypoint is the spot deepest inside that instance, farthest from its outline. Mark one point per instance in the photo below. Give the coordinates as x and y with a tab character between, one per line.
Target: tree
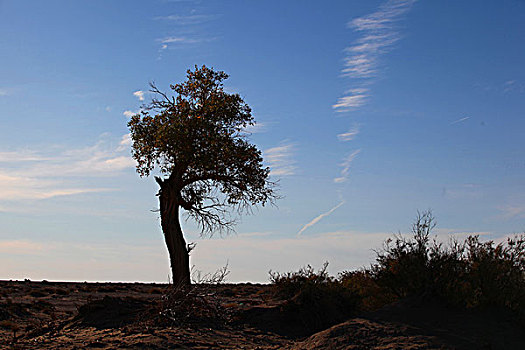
196	140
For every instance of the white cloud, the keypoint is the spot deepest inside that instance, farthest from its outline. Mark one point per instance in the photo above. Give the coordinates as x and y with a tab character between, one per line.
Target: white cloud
129	113
20	247
357	98
378	36
346	166
125	142
179	40
280	160
255	129
187	20
512	211
4	92
349	135
359	66
318	218
382	19
20	156
22	188
190	23
373	44
513	86
29	174
139	94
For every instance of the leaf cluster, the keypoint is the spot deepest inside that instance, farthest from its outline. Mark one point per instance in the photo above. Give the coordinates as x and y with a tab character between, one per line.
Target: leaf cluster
196	138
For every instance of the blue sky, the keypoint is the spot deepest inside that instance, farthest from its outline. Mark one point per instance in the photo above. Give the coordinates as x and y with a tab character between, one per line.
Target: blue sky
368	111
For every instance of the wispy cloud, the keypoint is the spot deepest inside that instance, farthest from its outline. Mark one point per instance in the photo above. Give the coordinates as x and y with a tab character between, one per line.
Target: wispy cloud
513	86
319	218
359	66
345	171
349	135
139	94
3	92
512	211
20	156
15	188
20	247
280	160
129	113
188	19
189	26
178	40
255	129
35	175
125	142
355	98
378	35
505	87
459	120
384	18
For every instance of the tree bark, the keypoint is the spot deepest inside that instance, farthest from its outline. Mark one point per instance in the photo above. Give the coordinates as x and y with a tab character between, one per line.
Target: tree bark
175	242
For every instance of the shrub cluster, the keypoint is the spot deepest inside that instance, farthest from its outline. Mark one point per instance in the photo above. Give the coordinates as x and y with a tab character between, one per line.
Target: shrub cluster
467	274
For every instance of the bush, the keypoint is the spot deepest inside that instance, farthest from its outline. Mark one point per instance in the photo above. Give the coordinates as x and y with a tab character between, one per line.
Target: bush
290	283
467	274
363	284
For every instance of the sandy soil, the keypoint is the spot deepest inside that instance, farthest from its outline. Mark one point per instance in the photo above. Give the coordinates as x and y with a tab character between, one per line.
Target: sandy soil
62	315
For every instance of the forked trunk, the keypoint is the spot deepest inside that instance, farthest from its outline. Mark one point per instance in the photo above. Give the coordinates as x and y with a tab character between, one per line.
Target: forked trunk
177	248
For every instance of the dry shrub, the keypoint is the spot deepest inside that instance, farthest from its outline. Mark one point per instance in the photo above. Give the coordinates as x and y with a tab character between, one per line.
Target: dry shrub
363	284
465	274
191	306
218	277
194	305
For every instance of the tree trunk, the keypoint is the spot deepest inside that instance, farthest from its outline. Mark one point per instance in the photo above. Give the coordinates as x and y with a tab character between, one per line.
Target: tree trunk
177	248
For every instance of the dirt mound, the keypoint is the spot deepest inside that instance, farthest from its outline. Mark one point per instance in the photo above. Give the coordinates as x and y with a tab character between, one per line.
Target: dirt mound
138	316
310	310
364	334
109	312
423	323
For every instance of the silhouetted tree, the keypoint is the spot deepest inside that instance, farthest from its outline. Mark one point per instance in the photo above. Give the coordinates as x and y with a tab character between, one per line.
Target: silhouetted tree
196	140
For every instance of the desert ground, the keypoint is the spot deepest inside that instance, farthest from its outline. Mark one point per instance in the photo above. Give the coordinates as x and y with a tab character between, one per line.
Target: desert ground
67	315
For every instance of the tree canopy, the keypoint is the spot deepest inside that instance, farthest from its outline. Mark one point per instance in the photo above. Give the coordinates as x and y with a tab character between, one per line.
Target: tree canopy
196	138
